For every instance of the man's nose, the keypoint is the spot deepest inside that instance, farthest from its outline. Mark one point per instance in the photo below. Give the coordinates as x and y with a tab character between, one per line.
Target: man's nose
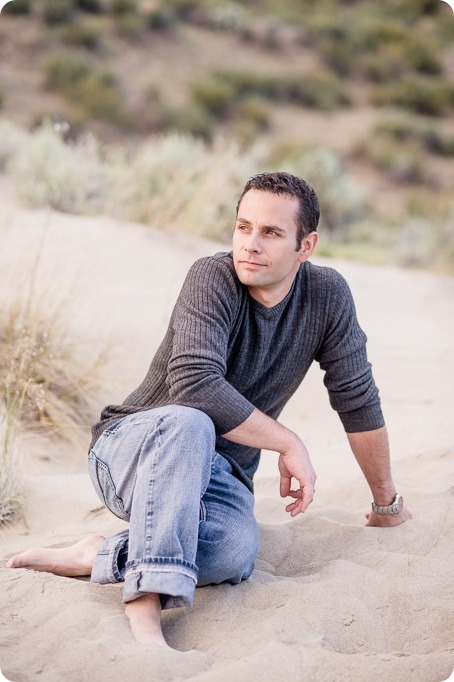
252	244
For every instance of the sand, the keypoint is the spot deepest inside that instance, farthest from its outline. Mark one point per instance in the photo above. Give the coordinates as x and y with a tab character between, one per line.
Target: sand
330	599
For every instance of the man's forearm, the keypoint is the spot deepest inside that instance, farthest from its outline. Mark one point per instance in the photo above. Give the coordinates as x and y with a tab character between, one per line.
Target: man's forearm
261	431
371	449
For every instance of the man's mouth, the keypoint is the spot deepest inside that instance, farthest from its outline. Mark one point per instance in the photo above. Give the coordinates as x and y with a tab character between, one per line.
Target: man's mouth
252	263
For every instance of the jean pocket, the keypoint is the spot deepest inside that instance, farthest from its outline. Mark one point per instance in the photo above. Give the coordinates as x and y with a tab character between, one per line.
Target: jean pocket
103	484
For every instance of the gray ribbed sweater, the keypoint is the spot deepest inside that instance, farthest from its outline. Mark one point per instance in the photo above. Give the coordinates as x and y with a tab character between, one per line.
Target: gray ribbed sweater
225	353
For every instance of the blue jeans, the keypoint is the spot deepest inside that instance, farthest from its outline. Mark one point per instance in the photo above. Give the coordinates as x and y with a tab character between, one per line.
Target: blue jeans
191	521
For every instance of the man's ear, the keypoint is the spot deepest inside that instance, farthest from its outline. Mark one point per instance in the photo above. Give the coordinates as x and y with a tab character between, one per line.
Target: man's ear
308	244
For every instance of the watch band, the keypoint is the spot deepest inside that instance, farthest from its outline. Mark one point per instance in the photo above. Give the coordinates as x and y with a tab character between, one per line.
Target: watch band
394	508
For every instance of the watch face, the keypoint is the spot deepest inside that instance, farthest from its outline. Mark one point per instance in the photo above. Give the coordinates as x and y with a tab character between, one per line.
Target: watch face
398	504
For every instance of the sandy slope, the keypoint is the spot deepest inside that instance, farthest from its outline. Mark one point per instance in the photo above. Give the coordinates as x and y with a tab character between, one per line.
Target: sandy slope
330	599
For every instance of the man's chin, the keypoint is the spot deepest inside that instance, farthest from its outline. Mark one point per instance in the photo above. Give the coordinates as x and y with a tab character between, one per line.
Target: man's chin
252	277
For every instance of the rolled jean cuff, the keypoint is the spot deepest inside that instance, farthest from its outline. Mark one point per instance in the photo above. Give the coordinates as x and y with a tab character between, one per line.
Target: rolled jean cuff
105	566
173	579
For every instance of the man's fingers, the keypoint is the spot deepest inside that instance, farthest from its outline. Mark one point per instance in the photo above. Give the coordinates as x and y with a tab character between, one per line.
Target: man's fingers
303	497
285	485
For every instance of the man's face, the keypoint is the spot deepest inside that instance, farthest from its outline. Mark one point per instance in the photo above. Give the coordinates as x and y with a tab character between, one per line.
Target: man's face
264	245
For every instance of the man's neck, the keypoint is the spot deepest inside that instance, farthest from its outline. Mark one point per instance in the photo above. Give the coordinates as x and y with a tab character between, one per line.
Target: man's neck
270	297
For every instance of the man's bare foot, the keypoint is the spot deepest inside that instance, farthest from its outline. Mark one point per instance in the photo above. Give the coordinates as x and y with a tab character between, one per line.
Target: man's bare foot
68	561
144	616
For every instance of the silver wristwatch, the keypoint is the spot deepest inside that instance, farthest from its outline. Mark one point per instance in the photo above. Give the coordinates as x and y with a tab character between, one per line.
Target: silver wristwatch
394	508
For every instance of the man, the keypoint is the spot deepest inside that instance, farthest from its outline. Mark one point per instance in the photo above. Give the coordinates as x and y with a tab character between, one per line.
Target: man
177	458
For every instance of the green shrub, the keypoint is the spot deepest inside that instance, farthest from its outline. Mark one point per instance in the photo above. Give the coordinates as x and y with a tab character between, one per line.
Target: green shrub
227	16
431	98
386	64
92	6
184	9
414	9
124	7
191	119
254	111
57	11
404	162
92	94
421	54
215	95
86	35
161	20
96	96
325	25
340	56
17	7
373	33
318	90
430	138
65	70
131	25
245	82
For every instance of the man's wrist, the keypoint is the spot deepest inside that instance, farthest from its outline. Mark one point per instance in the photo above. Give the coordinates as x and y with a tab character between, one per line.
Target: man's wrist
384	494
394	507
292	441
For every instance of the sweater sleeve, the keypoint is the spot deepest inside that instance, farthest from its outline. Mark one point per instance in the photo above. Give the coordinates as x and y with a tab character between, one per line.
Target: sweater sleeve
201	324
342	355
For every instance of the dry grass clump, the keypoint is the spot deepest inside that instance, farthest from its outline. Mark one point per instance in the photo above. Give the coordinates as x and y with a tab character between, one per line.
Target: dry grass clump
44	384
11	496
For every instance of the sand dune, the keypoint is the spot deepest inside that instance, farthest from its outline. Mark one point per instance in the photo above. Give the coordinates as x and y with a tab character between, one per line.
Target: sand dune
330	600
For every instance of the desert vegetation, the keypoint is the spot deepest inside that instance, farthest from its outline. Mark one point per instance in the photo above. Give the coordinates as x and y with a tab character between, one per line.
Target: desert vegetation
256	73
166	180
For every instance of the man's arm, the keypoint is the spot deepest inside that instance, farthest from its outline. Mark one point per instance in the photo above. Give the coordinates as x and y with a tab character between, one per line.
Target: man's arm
371	449
261	431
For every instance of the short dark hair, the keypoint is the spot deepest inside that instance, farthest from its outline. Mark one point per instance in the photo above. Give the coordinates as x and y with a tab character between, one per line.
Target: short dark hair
308	213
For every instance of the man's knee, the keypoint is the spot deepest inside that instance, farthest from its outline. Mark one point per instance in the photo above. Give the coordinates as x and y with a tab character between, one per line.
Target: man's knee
230	557
244	553
190	420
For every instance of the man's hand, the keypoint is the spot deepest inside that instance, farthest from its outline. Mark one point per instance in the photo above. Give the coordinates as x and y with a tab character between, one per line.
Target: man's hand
387	520
296	463
260	431
371	449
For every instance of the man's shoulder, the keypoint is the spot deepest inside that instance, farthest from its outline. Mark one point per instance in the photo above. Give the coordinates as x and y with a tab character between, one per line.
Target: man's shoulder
215	267
324	277
221	259
214	274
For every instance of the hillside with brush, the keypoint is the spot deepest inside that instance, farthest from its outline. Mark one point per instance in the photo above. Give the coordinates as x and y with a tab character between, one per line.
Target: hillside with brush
357	97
